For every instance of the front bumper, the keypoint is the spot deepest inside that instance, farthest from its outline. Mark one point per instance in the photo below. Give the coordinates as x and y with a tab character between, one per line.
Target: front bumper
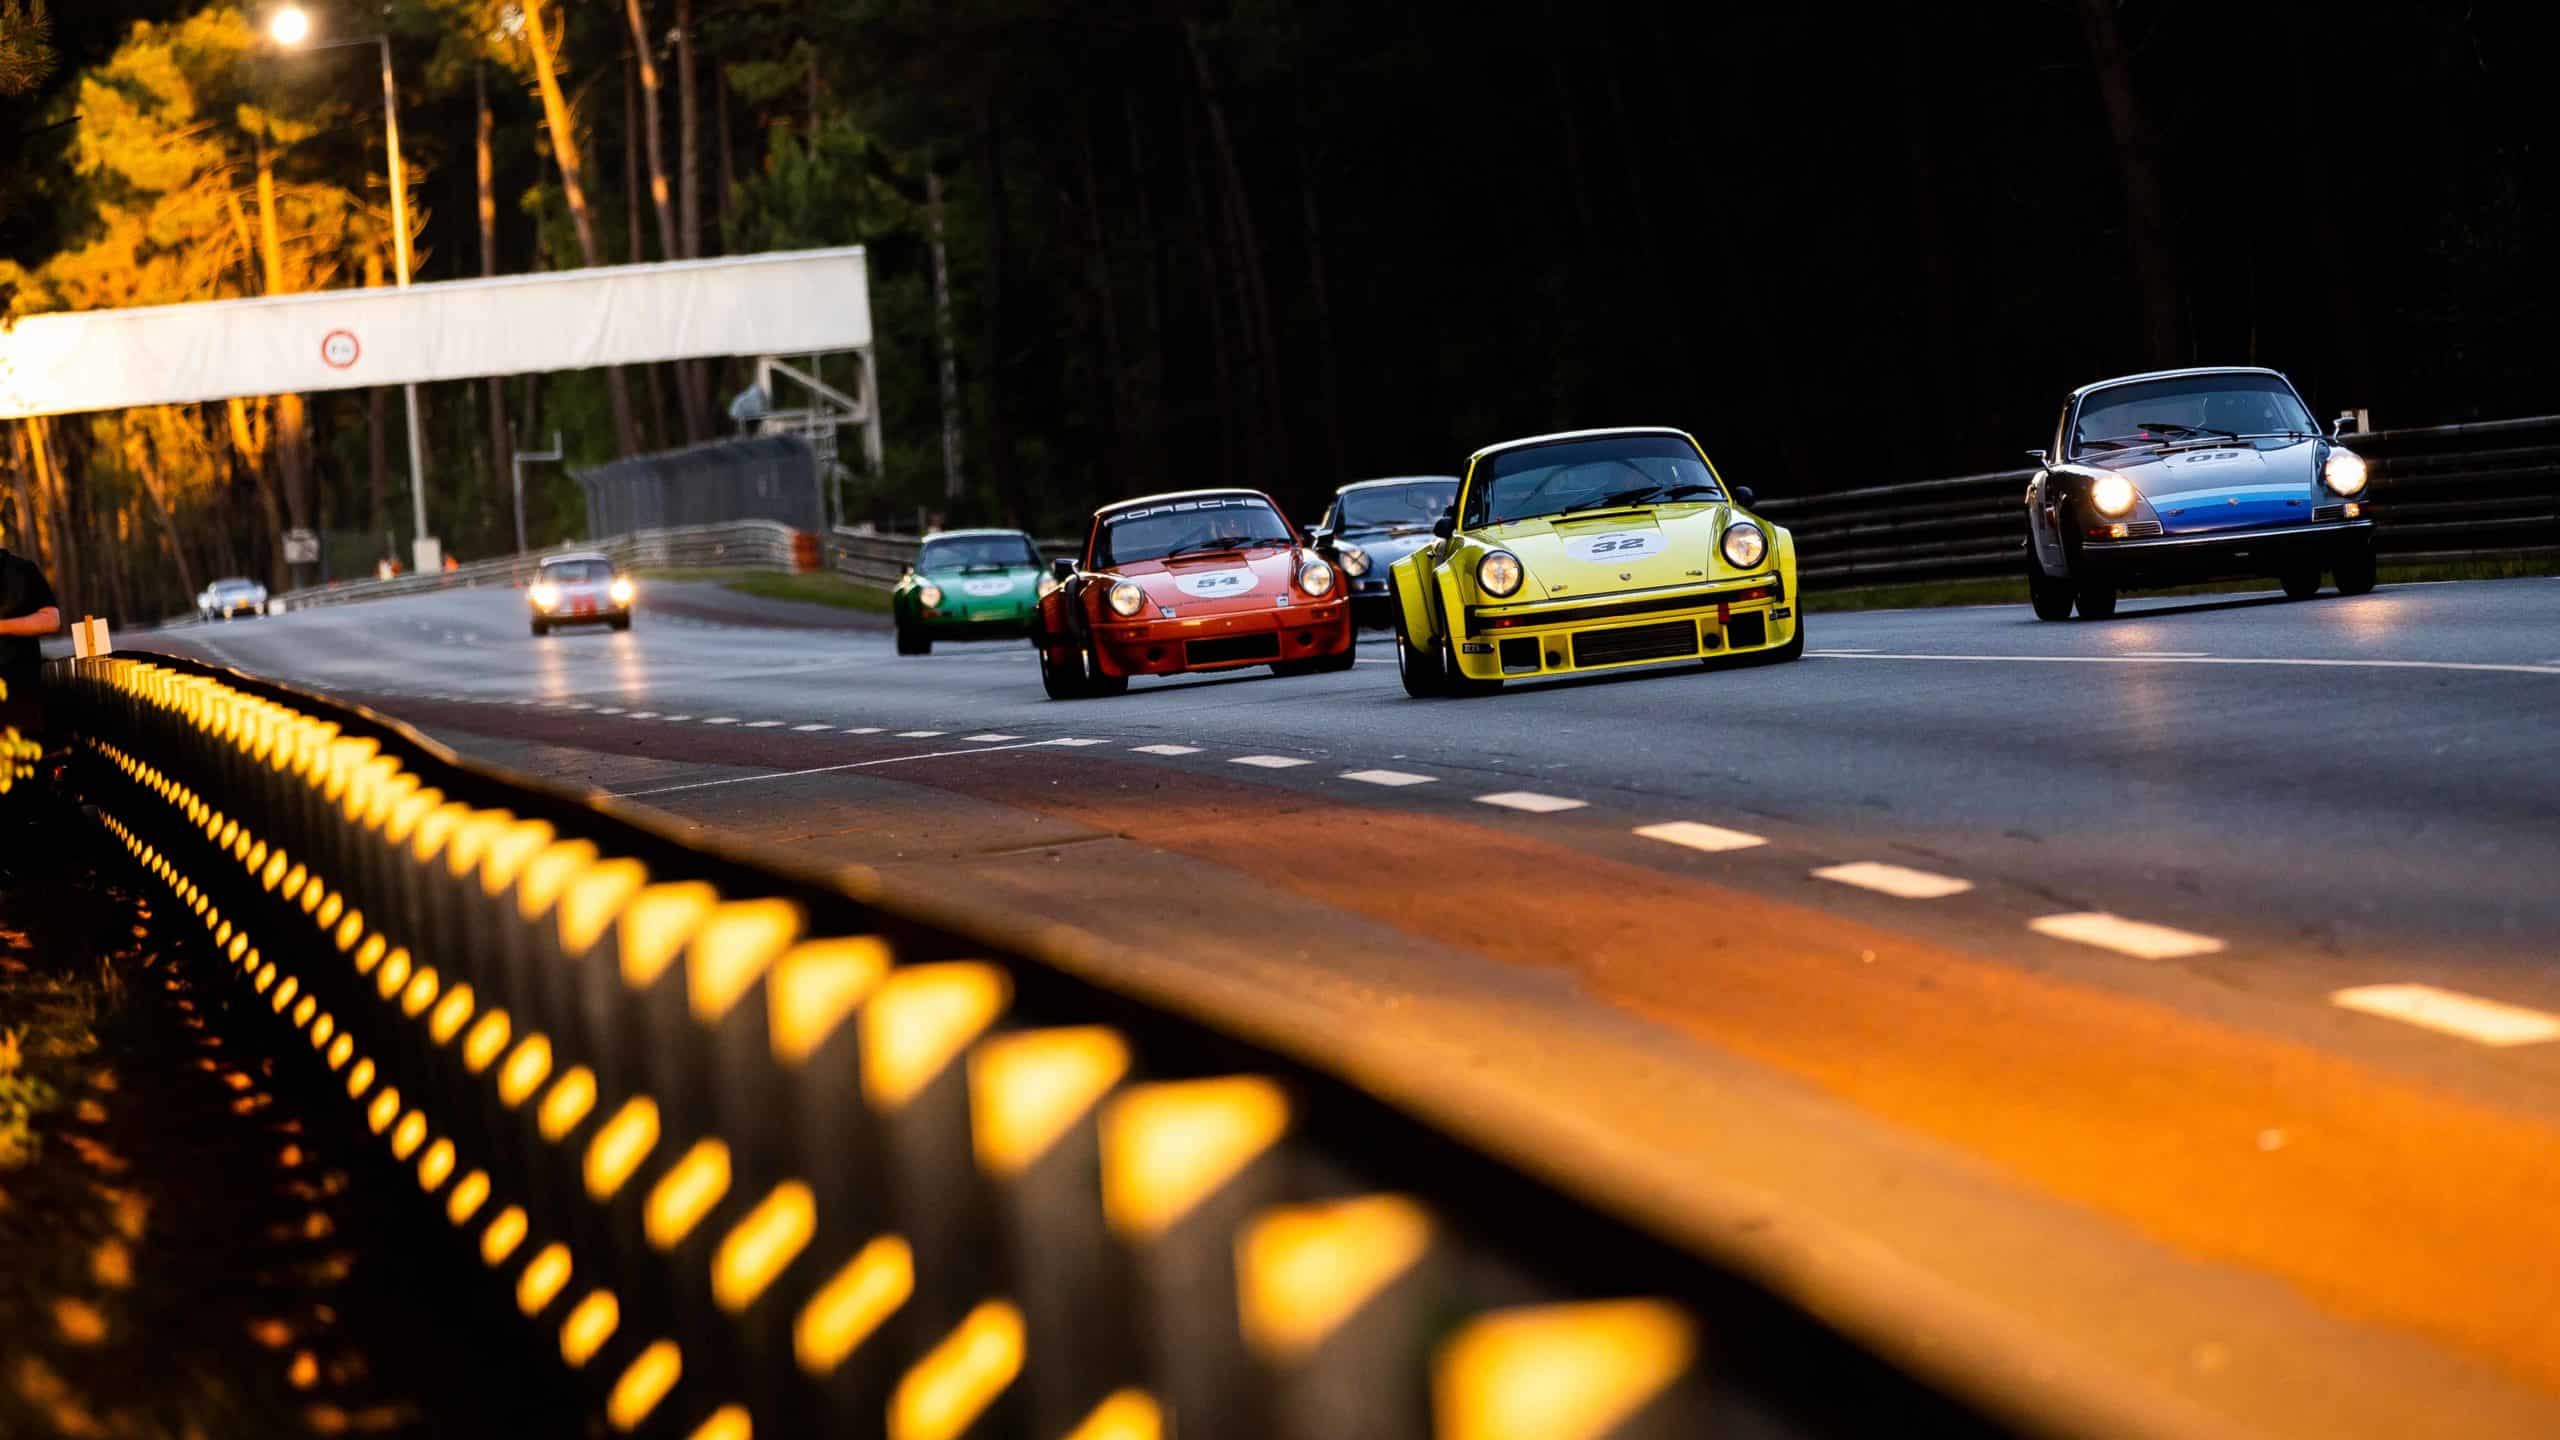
1229	641
961	624
1522	642
572	612
2265	550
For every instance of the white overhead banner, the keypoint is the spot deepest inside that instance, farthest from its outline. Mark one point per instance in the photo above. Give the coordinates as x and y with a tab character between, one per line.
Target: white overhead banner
801	302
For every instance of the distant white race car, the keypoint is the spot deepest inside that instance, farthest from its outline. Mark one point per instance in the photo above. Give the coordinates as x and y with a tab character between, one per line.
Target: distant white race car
231	596
579	589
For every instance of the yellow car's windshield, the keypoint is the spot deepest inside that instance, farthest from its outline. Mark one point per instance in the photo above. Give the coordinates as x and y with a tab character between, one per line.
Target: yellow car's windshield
1600	473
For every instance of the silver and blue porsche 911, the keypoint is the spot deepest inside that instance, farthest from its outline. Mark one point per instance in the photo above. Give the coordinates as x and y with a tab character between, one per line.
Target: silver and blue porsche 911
1371	525
2187	475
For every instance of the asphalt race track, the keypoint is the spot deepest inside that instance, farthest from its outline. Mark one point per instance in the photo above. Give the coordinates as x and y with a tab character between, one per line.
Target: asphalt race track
2176	998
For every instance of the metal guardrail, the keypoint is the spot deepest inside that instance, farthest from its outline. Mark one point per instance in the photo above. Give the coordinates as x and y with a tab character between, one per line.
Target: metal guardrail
757	1151
752	544
869	558
2442	492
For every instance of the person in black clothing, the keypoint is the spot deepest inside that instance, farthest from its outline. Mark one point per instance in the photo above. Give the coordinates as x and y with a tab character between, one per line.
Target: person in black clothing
28	612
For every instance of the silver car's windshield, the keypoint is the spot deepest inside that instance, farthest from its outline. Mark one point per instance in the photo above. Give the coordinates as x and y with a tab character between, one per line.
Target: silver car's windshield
2155	412
1388	507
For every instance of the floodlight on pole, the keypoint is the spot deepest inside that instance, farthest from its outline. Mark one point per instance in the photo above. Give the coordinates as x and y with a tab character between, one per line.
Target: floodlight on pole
290	27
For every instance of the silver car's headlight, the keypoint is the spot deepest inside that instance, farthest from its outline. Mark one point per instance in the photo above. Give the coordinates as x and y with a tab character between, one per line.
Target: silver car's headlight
1315	577
546	595
1355	561
1127	598
930	594
2344	472
1499	573
1745	544
2112	495
622	590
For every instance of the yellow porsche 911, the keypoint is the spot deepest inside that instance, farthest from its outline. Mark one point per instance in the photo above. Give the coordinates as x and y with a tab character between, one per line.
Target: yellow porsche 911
1592	550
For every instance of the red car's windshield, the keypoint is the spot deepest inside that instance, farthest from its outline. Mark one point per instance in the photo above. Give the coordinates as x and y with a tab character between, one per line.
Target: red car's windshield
1200	526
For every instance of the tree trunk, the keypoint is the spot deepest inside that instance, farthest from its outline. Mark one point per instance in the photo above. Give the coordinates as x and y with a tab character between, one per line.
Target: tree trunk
1097	244
728	150
1941	347
292	440
501	439
42	521
999	258
564	152
653	380
148	467
2155	273
1150	399
1319	296
693	382
1212	310
1253	291
946	348
660	194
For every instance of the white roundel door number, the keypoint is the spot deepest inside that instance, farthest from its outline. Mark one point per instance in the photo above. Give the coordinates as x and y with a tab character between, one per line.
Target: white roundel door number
338	349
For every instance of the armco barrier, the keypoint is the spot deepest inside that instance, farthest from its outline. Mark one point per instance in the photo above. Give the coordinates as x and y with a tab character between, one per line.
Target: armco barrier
749	544
759	1152
2443	492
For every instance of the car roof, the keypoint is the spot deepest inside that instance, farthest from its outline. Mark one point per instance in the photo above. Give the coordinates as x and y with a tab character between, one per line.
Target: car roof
1178	495
231	580
2182	374
569	555
970	534
1529	440
1398	480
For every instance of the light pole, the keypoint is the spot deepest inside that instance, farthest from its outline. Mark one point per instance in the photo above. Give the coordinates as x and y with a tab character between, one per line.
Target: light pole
290	27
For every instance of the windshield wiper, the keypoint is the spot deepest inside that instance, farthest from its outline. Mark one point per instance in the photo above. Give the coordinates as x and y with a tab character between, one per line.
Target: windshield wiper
2187	429
1214	545
1646	495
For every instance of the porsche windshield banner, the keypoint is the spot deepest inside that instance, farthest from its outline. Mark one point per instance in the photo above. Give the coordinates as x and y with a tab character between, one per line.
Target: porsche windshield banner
1176	507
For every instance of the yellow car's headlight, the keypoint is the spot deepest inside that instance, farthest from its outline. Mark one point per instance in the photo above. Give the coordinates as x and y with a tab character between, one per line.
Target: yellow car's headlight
2112	496
2344	472
1745	544
546	595
1499	574
1127	599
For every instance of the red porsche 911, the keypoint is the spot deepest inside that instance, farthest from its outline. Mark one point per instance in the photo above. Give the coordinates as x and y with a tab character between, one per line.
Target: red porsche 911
1201	580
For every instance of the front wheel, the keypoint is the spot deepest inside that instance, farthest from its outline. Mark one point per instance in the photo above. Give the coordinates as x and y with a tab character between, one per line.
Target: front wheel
2301	582
1792	650
1336	664
1062	679
2355	573
619	622
913	641
2096	599
1459	682
2050	595
541	628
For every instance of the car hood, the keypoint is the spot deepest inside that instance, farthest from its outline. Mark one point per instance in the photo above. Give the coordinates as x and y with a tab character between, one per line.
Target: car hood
1386	547
1255	579
972	589
1575	555
2227	487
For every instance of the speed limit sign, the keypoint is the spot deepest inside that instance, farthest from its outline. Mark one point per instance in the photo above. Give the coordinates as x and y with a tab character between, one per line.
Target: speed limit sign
338	349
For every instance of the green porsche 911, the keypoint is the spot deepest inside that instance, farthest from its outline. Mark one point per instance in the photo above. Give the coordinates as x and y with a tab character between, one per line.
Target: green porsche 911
967	584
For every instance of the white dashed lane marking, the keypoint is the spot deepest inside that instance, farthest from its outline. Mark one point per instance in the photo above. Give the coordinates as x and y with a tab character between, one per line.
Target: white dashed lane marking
608	709
1696	836
2476	667
1387	777
1166	749
1268	762
721	720
1075	743
990	738
675	719
1529	800
918	734
2137	938
1898	881
641	715
2450	1012
821	725
862	730
762	724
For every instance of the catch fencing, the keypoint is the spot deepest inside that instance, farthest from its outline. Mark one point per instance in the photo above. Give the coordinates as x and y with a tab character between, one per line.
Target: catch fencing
2443	492
760	1151
763	477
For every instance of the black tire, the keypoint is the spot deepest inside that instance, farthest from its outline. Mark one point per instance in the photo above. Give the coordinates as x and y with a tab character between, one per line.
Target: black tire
2051	596
1461	685
1336	664
2301	582
2355	572
620	622
914	642
1097	683
2096	599
1793	649
1062	682
541	628
1419	669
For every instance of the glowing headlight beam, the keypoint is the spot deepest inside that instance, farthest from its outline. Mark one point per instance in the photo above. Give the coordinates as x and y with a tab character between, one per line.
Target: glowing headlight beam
2344	472
1315	577
1499	574
1745	545
1127	598
2112	496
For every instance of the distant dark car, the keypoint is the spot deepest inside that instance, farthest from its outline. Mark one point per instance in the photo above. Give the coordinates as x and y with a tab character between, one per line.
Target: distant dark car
231	596
2187	475
1371	525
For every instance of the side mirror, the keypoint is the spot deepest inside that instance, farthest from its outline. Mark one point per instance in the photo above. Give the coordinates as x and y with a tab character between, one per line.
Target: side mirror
2338	427
1445	526
2043	460
1745	495
1062	569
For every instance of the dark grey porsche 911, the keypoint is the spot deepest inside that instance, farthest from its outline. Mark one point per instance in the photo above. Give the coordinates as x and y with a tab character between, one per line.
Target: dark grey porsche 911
2187	475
